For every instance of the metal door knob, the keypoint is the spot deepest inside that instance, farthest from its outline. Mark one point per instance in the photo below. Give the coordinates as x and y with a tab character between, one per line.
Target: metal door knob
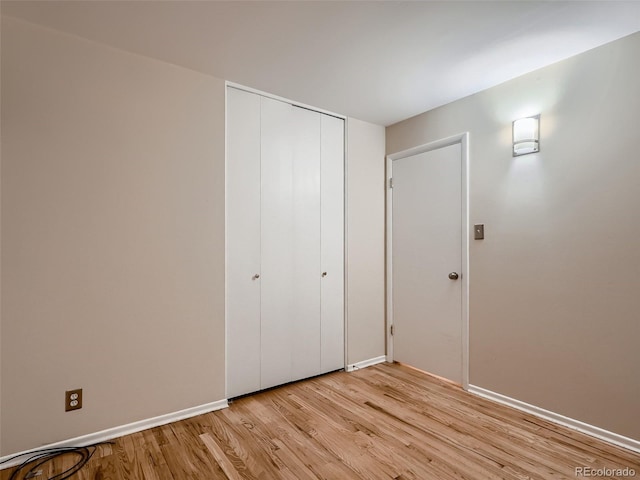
324	274
256	276
453	276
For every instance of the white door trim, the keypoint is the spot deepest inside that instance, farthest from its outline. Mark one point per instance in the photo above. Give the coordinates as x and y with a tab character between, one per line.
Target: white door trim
463	140
262	93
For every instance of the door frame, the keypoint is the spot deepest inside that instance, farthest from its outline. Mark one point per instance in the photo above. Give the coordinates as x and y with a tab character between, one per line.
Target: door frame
463	140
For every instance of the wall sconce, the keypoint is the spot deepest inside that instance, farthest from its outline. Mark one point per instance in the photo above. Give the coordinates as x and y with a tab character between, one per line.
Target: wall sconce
526	135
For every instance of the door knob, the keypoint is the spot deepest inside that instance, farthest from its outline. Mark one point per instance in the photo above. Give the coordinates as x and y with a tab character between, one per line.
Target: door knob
453	276
324	274
256	276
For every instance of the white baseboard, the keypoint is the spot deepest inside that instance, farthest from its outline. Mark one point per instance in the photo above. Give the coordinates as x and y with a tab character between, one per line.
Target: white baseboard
111	433
600	433
366	363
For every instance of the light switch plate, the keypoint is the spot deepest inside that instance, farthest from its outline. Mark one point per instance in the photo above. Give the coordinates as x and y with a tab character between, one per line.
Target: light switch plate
478	231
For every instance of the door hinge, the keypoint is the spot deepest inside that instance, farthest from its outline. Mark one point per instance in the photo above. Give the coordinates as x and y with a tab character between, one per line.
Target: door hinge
391	329
391	183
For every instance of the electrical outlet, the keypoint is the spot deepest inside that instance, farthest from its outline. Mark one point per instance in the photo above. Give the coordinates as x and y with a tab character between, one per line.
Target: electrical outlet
72	400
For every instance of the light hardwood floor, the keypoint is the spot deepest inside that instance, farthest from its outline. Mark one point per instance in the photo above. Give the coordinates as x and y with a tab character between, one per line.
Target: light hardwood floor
382	422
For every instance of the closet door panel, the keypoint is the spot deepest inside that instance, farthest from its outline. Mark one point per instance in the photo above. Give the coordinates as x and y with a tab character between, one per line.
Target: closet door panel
305	319
243	242
332	243
277	220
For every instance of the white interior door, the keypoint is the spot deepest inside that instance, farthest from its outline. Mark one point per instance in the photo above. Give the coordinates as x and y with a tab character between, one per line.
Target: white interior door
332	233
243	242
277	227
426	248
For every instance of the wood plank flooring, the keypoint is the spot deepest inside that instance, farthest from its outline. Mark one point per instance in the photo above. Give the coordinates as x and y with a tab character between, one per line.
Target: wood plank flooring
382	422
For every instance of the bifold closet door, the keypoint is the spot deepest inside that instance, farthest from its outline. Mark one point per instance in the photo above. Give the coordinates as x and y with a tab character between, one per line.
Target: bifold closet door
290	219
243	242
277	245
332	242
305	321
285	241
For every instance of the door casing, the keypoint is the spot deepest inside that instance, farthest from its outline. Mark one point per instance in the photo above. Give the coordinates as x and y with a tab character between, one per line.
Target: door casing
463	140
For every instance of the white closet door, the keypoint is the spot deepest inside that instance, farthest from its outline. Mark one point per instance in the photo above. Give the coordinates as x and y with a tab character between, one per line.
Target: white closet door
243	242
332	243
277	220
305	320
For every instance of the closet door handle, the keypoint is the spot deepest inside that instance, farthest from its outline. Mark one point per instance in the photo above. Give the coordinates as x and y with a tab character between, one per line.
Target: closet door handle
324	274
256	276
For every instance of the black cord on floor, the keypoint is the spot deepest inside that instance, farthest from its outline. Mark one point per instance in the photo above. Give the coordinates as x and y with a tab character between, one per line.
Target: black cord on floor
38	458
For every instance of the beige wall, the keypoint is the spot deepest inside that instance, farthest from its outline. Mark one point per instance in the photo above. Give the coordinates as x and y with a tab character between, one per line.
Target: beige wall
112	197
113	238
1	450
365	241
554	303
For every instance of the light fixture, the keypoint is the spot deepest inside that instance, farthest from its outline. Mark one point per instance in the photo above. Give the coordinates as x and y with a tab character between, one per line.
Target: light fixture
526	135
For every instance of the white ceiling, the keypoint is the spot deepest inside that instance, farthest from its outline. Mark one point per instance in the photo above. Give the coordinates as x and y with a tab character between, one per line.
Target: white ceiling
379	61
